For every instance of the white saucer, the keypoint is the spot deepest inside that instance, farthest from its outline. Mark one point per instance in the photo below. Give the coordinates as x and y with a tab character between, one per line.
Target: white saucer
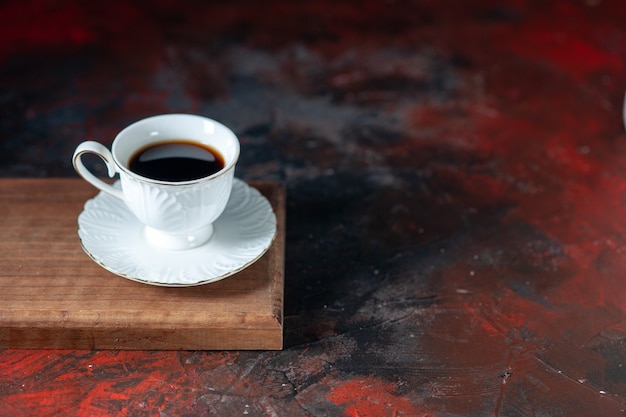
113	237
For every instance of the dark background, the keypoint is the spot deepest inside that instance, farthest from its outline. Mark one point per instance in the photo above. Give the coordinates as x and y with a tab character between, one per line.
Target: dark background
456	179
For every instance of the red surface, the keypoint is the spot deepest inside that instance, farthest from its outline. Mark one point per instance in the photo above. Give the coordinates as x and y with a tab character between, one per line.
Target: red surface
456	179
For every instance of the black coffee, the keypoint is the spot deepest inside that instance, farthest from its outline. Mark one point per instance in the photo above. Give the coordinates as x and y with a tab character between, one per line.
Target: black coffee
176	160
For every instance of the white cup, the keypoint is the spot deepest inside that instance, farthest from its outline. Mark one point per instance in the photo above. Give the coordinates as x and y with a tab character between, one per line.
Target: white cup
176	215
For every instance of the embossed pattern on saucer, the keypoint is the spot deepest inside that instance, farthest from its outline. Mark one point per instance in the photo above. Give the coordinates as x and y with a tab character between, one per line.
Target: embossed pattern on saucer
113	237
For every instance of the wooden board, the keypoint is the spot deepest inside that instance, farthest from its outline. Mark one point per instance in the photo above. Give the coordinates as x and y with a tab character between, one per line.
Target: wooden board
52	295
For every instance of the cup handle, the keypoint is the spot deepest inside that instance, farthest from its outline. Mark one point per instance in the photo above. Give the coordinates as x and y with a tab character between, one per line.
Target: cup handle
100	150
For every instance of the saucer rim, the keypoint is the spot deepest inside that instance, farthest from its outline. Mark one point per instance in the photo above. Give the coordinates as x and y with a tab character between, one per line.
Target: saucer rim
211	280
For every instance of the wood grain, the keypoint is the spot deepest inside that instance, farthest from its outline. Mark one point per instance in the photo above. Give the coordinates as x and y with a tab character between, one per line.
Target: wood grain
52	295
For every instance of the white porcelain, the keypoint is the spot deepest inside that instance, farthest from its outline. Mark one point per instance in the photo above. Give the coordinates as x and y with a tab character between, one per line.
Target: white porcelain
113	237
178	215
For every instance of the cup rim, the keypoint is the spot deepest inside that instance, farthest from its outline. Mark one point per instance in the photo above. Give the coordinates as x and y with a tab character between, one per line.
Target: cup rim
228	167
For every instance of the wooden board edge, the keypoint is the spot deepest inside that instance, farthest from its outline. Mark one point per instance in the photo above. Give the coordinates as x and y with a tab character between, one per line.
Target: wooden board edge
277	262
134	339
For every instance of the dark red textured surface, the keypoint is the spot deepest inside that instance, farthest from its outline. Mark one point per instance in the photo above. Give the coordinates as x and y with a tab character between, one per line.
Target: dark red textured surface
456	176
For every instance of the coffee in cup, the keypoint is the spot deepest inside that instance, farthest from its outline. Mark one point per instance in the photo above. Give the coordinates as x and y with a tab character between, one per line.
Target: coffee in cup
176	173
